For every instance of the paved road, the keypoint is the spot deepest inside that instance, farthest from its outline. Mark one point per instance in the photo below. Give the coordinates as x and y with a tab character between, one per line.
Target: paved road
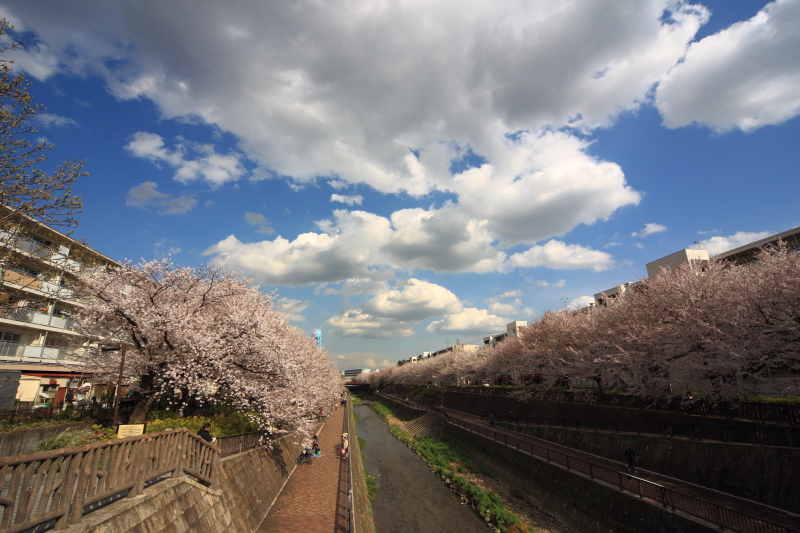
409	498
314	498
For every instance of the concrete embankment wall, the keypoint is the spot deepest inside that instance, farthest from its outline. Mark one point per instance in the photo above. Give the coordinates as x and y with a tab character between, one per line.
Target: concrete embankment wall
585	505
24	441
760	473
245	487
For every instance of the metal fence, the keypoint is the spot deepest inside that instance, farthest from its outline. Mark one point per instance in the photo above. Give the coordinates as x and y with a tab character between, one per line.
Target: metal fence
762	412
232	444
722	517
59	485
351	515
770	436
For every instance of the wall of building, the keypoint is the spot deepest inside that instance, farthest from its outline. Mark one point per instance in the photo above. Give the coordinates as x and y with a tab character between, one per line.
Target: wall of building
585	505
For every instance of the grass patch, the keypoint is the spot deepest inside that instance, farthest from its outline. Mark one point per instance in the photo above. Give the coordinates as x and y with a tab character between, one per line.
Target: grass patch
354	400
371	485
431	392
356	417
361	443
67	439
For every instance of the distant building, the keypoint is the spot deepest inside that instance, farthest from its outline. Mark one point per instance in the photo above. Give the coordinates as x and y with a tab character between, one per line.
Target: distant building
318	337
350	374
741	255
512	330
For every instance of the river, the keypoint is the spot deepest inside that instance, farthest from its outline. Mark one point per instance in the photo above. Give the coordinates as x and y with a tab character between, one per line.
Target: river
409	497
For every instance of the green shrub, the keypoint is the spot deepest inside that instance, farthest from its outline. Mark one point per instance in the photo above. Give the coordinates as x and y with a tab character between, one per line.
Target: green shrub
67	439
228	424
361	443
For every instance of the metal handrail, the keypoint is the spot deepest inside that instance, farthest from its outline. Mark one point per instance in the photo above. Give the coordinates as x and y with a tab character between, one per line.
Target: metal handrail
233	444
765	435
723	517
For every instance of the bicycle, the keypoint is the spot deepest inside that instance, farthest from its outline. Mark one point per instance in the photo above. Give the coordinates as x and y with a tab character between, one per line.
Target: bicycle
305	458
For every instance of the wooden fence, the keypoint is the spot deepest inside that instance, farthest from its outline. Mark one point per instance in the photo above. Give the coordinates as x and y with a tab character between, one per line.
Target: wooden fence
723	517
58	485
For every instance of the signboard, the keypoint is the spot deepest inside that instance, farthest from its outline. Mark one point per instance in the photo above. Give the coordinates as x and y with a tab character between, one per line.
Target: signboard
130	430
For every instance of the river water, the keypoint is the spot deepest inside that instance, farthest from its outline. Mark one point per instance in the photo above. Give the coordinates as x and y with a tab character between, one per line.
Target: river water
409	497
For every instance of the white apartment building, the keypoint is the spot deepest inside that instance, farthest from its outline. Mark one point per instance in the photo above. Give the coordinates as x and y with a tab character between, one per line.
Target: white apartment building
38	336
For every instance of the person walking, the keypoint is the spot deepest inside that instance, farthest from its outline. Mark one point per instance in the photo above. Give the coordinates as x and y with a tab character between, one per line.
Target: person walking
630	455
491	420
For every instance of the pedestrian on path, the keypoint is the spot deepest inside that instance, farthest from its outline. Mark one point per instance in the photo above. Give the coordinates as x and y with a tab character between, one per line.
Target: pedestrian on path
491	420
205	434
630	455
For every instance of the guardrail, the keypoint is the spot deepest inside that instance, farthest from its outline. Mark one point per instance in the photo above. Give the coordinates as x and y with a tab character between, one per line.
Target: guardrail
722	517
58	485
769	436
232	444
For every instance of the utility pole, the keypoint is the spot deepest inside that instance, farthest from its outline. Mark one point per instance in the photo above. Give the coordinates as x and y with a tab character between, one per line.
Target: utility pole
121	349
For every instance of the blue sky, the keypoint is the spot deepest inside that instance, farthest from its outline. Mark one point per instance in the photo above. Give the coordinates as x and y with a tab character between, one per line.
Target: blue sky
407	175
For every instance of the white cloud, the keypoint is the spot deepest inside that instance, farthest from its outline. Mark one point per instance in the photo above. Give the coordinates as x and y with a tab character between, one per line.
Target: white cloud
717	245
349	200
257	219
355	323
49	120
470	322
415	300
292	308
145	196
580	302
557	254
745	76
210	167
649	229
543	283
351	94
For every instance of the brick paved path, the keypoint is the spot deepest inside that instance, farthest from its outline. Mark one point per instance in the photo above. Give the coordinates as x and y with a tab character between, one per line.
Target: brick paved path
314	498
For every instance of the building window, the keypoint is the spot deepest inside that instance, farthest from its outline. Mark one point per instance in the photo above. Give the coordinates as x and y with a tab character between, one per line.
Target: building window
53	342
10	337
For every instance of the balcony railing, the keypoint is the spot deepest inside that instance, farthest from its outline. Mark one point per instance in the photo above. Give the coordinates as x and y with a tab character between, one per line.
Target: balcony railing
31	316
23	352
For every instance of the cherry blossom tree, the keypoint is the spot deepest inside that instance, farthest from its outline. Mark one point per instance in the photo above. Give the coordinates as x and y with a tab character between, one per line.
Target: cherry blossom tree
206	335
732	330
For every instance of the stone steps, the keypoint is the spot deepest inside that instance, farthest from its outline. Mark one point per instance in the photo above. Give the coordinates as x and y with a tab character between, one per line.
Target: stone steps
418	425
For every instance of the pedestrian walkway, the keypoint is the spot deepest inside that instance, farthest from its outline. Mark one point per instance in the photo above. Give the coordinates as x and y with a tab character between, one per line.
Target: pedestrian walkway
314	499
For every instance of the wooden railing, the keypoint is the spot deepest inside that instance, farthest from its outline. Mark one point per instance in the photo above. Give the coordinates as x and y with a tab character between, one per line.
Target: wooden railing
723	517
58	485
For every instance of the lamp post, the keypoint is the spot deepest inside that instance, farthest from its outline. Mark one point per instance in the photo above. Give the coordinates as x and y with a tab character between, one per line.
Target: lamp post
121	349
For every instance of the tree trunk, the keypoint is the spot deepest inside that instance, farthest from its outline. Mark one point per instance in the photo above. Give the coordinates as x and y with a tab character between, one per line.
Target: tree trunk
141	410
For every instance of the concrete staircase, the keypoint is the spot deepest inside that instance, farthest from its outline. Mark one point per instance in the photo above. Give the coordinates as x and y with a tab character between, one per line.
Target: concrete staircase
429	424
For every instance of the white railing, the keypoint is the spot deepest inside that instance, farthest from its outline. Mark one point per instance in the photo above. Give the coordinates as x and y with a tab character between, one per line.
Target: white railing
31	316
21	352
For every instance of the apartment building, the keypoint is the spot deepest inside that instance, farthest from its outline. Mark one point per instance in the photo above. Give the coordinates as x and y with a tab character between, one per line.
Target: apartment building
38	335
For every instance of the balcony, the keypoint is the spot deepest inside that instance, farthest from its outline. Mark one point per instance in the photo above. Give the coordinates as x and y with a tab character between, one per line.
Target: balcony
14	351
31	316
12	275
